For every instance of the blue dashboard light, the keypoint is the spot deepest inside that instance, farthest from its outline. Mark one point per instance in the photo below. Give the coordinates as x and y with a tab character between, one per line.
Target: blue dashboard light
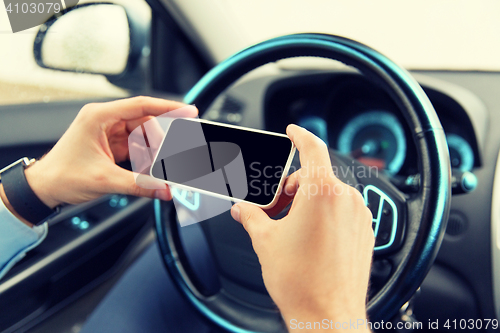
84	225
75	220
113	202
461	153
123	202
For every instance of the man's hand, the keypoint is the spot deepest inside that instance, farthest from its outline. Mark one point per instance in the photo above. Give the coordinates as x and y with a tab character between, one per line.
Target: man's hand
82	165
316	260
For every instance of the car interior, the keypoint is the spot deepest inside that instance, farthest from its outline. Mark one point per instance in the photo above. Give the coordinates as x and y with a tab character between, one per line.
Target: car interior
265	66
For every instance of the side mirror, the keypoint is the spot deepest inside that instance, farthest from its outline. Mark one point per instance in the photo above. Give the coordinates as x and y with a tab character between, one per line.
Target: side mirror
97	38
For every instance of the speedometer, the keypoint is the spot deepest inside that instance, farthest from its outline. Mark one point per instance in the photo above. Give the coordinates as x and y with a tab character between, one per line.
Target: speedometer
375	138
461	153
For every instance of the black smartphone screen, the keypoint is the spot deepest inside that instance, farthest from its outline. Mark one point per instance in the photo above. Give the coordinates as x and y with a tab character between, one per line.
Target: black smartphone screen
234	162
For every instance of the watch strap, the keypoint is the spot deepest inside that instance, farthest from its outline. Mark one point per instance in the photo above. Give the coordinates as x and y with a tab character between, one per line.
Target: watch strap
22	198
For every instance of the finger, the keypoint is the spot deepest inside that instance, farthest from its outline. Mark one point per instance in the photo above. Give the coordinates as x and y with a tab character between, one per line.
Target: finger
291	184
134	123
142	106
286	195
186	111
250	216
312	150
154	133
124	182
154	128
140	153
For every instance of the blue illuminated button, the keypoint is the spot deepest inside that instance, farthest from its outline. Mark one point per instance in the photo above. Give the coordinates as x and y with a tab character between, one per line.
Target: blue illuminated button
75	220
84	225
123	202
113	202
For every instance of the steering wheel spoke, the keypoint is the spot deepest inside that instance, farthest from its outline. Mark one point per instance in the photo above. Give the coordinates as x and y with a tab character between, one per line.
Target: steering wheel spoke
388	207
386	202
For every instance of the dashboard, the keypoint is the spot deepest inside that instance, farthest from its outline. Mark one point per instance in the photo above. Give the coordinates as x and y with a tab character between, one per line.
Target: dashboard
356	118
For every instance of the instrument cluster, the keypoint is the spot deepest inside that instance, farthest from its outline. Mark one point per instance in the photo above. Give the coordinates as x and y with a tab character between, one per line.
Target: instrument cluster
355	117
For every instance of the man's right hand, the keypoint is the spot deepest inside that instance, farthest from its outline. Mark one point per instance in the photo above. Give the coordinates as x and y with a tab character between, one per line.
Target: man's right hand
316	260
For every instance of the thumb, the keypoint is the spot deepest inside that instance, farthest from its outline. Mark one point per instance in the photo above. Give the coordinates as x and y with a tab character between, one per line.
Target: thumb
125	182
250	216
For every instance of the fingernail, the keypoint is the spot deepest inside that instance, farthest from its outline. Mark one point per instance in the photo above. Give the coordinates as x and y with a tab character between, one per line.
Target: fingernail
290	189
163	195
169	193
235	212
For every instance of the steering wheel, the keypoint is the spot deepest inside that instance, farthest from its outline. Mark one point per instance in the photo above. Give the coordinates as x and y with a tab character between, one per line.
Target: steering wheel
409	228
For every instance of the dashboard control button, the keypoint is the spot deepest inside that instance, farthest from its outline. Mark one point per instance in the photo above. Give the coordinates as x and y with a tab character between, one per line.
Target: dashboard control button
385	225
385	216
372	202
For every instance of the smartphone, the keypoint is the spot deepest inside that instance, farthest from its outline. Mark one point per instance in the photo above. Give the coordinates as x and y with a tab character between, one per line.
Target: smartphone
225	161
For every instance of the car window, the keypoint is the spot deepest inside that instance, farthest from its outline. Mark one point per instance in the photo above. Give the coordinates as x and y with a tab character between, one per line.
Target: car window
23	81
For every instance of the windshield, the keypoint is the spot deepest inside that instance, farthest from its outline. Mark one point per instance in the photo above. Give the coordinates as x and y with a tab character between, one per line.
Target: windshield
425	34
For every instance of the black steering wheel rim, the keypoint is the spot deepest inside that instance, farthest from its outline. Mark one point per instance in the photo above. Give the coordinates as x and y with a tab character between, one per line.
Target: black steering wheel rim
429	210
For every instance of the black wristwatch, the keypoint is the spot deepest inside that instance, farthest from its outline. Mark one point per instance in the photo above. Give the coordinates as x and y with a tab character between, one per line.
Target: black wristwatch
20	195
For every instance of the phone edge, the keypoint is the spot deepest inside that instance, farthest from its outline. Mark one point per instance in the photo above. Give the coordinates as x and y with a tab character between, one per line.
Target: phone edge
220	196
